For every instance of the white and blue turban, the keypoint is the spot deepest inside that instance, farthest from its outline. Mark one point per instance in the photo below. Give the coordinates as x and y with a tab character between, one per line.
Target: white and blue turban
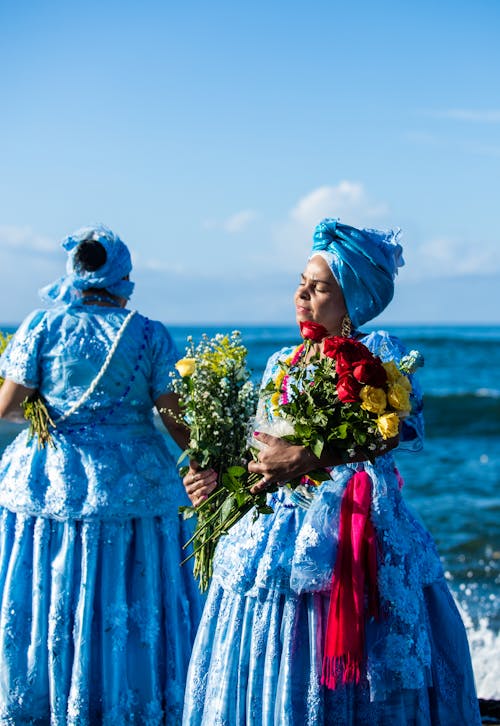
363	261
109	276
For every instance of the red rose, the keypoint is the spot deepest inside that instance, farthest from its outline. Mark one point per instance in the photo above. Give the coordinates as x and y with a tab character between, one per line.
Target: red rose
332	345
313	331
343	364
348	389
352	350
354	359
370	372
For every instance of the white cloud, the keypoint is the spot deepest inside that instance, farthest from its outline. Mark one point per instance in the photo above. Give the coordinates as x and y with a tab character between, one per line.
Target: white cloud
233	224
447	257
485	116
24	239
347	200
239	221
155	264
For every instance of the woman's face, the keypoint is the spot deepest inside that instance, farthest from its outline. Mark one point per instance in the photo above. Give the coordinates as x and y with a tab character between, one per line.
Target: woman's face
319	297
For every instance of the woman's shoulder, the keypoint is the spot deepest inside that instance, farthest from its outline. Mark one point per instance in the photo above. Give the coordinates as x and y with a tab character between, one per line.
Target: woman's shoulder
275	359
281	355
384	344
157	328
158	335
34	324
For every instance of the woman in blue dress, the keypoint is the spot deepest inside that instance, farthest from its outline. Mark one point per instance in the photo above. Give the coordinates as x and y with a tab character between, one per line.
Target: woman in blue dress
298	628
97	619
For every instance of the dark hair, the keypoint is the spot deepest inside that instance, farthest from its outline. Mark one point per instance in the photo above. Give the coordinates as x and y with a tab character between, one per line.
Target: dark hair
90	255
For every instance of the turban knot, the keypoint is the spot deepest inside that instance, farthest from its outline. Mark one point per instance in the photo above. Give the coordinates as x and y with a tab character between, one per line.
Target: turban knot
109	276
363	261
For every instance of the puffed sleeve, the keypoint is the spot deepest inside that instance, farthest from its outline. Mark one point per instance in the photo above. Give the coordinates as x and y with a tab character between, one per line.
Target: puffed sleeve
20	361
272	366
164	358
389	347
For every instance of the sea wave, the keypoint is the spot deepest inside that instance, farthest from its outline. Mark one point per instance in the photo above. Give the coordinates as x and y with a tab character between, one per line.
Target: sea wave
474	413
484	644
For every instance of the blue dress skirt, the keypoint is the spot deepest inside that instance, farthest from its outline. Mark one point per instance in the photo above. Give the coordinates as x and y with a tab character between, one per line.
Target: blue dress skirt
97	618
258	654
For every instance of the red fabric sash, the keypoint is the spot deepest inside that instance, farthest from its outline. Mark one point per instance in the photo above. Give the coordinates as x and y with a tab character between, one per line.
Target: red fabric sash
354	576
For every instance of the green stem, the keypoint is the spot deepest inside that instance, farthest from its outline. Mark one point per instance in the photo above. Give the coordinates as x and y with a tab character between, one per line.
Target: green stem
202	527
196	551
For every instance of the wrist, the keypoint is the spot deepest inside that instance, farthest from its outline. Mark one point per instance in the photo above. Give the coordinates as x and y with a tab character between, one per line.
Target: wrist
309	460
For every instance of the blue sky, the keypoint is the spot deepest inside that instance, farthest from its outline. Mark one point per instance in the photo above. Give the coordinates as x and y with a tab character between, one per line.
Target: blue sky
213	136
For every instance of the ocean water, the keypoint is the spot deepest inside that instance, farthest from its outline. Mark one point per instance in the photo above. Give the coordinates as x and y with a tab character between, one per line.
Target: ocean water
454	483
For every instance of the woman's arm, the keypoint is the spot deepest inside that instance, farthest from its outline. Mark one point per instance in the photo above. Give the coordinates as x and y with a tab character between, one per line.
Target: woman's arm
281	461
11	396
167	406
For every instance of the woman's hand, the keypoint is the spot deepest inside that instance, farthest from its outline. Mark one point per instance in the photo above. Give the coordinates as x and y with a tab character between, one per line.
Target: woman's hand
168	407
199	483
280	461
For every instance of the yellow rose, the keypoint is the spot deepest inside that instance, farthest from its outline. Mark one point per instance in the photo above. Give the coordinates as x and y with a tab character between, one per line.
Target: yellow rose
374	399
186	366
388	425
399	398
393	372
405	383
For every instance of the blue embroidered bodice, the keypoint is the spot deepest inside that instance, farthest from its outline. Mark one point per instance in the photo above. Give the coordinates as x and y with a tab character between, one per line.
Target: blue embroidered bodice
109	459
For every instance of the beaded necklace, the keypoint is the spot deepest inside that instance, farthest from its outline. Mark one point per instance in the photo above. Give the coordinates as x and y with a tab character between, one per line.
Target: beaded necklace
99	298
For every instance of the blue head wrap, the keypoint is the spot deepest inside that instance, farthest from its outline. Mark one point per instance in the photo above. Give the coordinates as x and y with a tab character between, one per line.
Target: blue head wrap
363	261
110	276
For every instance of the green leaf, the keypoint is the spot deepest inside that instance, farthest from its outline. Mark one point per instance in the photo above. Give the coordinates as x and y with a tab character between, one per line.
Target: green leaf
230	482
236	471
317	447
341	431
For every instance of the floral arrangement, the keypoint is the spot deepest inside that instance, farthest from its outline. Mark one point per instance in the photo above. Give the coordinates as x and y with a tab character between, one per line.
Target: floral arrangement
346	398
217	400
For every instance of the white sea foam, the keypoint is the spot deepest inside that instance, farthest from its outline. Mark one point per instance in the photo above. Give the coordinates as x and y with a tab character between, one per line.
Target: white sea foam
484	645
488	393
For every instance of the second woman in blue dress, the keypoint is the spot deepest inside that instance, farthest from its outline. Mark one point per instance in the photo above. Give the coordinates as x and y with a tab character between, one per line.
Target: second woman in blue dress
97	618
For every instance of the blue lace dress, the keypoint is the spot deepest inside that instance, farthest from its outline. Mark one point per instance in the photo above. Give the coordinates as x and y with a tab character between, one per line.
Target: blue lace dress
97	619
257	658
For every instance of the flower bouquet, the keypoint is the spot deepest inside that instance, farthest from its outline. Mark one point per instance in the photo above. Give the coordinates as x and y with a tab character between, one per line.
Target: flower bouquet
217	400
342	397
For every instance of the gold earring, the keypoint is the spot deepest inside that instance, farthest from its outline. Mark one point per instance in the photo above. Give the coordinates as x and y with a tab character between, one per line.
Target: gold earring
346	327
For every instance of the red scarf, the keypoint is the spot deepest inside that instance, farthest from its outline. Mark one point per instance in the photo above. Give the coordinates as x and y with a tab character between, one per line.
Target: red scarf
355	570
